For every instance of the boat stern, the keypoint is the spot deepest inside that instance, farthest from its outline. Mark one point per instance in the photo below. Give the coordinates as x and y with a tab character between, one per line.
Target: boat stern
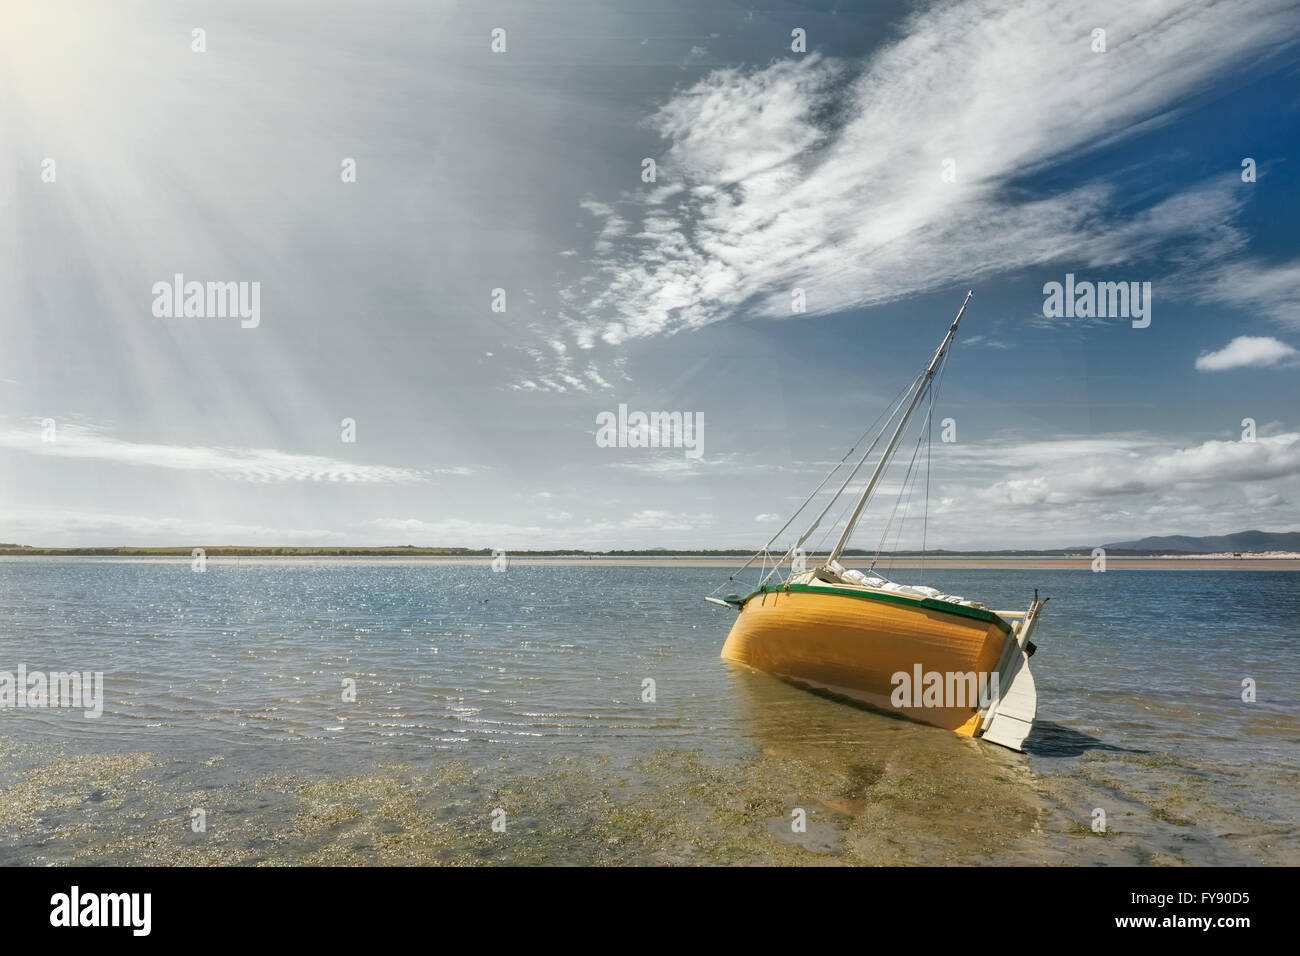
1010	718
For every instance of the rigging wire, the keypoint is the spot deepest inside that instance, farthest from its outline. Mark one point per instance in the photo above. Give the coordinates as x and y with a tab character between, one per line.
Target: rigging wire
929	424
916	383
906	489
830	528
892	408
898	407
925	515
902	494
931	383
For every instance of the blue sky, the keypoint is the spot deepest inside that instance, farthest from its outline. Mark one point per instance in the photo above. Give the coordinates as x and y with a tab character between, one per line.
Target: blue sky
522	170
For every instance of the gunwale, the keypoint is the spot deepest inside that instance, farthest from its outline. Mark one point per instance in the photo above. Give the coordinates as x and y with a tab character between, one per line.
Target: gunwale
892	597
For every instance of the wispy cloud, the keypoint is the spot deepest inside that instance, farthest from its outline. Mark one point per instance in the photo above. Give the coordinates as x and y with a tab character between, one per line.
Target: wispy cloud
247	464
984	341
456	532
1273	290
824	175
61	527
656	520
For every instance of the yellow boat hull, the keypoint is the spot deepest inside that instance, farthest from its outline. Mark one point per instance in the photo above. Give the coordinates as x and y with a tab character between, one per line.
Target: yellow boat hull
854	646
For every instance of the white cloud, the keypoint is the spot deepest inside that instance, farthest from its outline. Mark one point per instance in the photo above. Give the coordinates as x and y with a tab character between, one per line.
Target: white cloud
1006	492
248	464
1246	351
806	174
1153	470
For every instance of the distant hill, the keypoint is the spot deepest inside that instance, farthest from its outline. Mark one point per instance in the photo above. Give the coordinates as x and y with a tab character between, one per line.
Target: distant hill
1244	541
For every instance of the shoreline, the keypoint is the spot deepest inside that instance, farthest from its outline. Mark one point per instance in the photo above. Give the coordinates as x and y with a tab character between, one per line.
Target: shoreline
972	562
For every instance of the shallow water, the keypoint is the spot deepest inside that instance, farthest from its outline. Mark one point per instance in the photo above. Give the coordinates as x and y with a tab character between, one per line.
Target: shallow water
518	696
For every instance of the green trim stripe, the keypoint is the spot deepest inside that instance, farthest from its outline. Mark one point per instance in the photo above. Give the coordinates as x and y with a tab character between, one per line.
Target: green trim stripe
961	610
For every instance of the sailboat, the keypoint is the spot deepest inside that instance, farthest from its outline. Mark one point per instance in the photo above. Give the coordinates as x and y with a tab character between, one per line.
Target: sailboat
907	649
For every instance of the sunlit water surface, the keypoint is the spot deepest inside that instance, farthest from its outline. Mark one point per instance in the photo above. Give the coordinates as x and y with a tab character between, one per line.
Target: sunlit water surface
518	696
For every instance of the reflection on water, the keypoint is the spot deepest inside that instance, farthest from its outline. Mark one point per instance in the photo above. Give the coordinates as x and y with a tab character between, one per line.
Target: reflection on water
522	693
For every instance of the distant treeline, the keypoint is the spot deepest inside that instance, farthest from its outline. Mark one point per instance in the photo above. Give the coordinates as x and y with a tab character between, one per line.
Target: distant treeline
235	550
412	551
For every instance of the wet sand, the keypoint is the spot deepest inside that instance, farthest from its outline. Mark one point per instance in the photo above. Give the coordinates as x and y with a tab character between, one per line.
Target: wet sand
872	789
